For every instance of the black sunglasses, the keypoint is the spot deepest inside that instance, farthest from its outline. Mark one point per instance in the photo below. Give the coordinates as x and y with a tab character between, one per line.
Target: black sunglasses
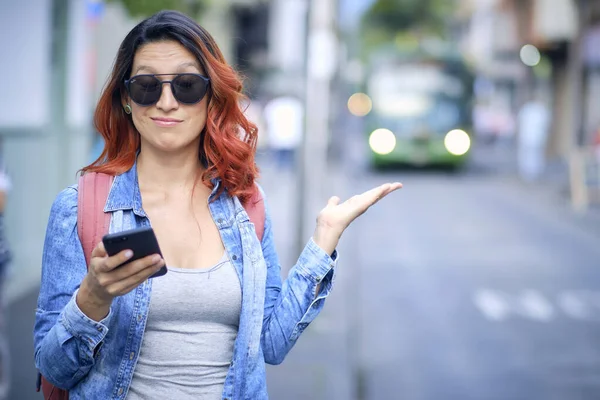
146	90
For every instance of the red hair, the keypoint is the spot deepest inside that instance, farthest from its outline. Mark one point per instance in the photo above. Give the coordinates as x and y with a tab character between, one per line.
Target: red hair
229	139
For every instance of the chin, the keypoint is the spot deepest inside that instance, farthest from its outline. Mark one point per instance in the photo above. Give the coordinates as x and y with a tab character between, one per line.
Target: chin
173	143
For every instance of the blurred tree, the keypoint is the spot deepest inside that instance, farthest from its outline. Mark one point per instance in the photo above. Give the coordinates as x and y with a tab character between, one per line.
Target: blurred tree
145	8
395	20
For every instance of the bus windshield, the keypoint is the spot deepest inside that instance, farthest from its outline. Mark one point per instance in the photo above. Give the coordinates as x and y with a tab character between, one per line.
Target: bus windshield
412	90
411	97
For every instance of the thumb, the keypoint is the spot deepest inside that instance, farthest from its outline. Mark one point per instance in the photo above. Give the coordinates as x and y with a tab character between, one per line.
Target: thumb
99	250
333	201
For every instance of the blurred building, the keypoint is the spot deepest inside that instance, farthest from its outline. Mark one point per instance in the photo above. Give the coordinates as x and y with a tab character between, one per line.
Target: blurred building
44	117
545	48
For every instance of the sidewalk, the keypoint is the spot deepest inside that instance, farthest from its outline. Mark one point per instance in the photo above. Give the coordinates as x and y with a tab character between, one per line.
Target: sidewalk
552	187
321	365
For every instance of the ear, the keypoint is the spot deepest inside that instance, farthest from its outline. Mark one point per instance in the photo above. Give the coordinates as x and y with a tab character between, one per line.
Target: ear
125	99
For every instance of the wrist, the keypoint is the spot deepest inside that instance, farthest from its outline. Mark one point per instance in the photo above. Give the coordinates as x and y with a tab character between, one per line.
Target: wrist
91	305
326	238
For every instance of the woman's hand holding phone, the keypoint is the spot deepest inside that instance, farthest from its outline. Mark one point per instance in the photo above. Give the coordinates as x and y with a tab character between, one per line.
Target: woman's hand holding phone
112	276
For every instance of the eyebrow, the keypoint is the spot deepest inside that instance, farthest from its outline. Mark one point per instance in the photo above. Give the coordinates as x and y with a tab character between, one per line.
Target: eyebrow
179	67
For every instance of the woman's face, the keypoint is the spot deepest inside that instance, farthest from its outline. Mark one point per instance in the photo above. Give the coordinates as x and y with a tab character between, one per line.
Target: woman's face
168	125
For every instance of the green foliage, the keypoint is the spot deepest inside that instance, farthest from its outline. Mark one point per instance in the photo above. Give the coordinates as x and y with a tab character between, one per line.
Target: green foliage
401	15
387	20
145	8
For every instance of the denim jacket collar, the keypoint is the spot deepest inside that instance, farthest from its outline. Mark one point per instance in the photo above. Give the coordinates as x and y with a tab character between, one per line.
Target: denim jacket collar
125	192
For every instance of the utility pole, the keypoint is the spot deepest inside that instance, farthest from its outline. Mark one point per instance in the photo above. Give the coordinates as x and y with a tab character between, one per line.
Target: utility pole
579	74
58	84
321	62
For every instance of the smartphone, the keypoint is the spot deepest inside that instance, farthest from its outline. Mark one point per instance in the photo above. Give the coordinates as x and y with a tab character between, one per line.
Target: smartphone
142	241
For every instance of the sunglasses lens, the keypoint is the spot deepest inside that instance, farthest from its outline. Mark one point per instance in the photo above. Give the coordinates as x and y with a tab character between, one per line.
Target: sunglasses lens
189	89
145	90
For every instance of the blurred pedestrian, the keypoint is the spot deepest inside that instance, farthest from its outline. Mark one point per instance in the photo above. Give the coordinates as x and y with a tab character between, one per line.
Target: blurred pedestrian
171	118
5	257
284	116
534	123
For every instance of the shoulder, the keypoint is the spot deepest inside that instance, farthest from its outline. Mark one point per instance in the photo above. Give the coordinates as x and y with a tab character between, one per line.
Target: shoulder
65	202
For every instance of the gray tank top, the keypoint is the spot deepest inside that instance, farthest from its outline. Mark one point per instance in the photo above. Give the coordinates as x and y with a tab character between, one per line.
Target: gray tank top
192	324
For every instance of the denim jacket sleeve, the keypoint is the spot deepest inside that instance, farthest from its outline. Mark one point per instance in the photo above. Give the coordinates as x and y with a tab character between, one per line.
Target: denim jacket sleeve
65	339
291	306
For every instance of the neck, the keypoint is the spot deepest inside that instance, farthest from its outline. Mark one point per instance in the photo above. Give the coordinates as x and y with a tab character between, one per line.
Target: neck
168	172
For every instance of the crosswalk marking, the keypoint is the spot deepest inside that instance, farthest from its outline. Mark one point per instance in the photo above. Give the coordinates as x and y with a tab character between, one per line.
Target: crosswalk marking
499	305
492	304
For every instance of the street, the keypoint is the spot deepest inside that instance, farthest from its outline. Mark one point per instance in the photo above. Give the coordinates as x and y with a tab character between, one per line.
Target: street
469	286
459	286
470	289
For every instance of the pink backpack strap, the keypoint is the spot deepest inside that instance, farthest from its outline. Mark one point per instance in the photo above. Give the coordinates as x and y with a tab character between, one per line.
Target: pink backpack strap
92	221
255	208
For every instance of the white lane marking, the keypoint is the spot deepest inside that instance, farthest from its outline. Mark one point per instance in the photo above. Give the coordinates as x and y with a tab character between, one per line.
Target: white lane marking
492	303
497	305
532	304
574	306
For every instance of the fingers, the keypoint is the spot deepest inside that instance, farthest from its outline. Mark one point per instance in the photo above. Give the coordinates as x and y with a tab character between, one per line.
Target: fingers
379	192
371	197
365	200
126	271
389	189
395	186
333	201
110	263
123	286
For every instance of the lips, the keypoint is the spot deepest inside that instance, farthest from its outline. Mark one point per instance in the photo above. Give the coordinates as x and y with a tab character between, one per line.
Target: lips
166	122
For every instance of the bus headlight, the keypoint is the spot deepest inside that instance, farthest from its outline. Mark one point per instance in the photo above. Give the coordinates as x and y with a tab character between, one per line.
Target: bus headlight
382	141
457	142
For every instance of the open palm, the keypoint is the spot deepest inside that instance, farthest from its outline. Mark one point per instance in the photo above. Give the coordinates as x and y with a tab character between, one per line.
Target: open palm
338	216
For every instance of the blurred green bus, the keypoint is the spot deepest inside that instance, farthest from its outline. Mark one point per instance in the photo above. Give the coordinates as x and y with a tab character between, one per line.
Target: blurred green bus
421	108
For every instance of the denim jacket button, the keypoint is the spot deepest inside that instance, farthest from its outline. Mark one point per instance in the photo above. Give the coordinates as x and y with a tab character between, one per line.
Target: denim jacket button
234	257
220	220
120	391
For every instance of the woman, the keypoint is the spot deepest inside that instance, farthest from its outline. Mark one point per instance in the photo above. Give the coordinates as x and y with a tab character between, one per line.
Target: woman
171	119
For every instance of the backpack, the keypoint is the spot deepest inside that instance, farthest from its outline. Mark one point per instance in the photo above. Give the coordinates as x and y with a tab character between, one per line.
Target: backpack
93	223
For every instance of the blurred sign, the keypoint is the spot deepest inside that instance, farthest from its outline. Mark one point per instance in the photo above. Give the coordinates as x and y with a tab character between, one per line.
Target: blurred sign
95	9
591	47
554	20
27	70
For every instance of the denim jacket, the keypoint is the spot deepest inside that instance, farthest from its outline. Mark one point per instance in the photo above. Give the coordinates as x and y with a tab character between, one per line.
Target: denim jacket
96	360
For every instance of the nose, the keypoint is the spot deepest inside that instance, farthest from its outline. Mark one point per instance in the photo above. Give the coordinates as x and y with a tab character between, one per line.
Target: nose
167	100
